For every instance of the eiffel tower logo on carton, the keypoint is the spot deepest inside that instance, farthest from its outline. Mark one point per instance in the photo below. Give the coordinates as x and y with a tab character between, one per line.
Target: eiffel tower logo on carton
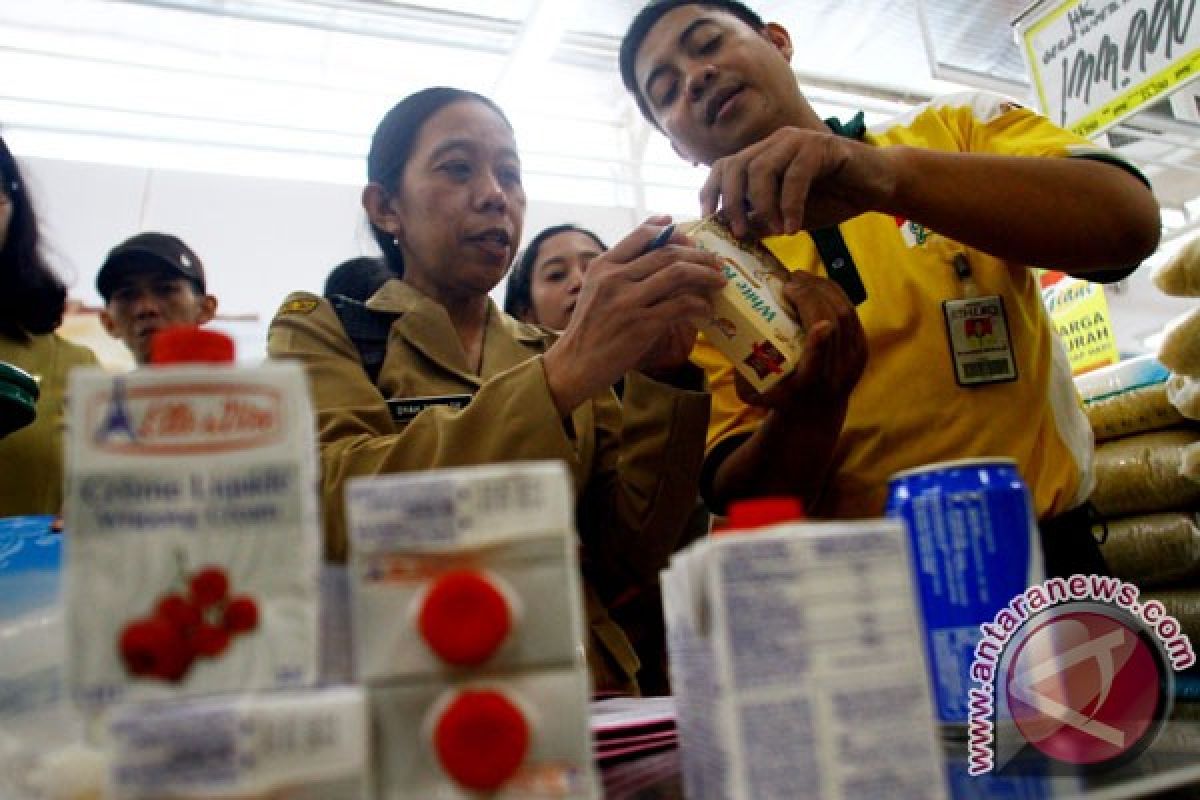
117	425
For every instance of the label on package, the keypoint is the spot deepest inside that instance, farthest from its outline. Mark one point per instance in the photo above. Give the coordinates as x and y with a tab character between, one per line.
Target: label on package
453	508
814	661
193	533
750	324
246	745
507	525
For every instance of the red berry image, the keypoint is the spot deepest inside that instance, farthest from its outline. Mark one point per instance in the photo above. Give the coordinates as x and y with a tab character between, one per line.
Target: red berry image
241	615
210	640
179	612
154	648
209	586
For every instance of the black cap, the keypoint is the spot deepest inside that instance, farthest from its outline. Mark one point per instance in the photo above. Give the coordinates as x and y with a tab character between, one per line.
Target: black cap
162	249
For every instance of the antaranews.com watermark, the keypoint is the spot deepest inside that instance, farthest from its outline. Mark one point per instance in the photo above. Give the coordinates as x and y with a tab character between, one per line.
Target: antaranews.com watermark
1061	623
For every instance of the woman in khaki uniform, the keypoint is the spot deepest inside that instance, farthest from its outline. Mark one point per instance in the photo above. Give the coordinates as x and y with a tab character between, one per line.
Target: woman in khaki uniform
32	300
460	383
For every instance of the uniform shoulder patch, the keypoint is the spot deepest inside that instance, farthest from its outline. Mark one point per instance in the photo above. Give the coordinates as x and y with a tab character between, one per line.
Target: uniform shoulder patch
299	305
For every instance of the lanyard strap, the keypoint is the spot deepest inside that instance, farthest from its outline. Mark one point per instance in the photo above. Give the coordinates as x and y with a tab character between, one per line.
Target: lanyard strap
839	263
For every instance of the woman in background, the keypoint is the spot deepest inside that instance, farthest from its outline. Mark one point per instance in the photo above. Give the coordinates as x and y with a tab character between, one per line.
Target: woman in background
446	205
32	301
544	285
543	289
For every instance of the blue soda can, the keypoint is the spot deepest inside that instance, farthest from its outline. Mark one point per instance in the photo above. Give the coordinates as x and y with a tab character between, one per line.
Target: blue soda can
973	540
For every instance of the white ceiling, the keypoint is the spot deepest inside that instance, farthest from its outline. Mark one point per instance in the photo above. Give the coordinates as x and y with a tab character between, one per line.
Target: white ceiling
257	84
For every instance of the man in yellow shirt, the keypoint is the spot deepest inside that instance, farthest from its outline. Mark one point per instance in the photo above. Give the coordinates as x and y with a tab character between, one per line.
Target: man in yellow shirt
930	224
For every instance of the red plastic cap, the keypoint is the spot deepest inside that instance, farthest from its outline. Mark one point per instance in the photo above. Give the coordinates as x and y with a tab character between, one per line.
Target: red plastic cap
464	618
481	739
759	511
191	345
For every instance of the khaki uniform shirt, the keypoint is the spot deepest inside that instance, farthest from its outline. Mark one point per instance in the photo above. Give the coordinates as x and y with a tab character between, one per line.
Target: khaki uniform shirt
33	456
635	466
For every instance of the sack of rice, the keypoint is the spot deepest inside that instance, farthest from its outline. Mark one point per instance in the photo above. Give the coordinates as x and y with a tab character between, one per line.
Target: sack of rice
1184	393
1183	605
1131	373
1142	474
1180	276
1127	398
1152	549
1189	462
1180	348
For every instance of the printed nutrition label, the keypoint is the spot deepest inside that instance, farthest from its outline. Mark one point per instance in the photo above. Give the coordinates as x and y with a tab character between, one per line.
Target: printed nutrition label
824	654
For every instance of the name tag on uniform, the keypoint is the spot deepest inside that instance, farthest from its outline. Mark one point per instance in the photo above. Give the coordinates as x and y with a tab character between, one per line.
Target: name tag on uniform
405	408
980	345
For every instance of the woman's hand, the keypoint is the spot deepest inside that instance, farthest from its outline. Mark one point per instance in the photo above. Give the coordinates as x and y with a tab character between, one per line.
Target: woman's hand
797	179
634	310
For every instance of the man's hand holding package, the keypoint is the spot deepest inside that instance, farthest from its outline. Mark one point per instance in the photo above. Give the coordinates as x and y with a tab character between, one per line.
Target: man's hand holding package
835	349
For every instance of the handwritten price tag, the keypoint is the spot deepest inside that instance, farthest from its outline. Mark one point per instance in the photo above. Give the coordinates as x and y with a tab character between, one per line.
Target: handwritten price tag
1095	62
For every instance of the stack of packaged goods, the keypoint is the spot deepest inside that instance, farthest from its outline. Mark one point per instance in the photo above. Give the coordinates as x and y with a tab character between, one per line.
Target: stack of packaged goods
467	623
1143	412
190	573
796	661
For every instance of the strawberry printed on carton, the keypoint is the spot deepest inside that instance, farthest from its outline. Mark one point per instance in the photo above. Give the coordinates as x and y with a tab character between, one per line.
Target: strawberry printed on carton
181	629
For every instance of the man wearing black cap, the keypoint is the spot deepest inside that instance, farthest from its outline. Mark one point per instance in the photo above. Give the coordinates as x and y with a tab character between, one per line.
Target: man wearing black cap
149	282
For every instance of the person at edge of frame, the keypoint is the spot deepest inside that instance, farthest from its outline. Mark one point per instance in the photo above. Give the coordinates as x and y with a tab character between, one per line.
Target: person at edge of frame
473	386
926	221
543	289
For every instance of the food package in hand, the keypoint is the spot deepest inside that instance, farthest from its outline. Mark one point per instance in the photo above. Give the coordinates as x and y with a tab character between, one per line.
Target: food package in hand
750	324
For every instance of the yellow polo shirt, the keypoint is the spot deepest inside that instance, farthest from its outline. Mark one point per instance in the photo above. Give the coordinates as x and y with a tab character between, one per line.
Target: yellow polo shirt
908	409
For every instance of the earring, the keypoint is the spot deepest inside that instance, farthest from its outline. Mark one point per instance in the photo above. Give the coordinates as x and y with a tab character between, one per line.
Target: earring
396	242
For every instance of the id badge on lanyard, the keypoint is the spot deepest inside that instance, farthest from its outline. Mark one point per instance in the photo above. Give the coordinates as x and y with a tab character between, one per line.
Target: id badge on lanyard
977	331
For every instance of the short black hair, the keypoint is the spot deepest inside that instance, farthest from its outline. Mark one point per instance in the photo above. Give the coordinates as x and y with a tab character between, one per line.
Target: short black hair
646	19
518	295
32	296
357	278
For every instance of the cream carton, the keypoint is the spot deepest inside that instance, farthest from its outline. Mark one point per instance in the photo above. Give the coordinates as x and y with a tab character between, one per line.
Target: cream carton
750	324
468	632
192	541
503	735
298	745
453	570
797	667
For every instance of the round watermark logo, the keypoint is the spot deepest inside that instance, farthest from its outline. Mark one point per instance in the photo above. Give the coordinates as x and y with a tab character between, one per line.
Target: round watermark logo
1087	685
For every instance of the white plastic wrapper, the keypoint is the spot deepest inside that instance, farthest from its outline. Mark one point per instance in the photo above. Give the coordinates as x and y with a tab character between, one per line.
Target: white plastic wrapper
1180	348
1132	373
1180	276
1184	393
